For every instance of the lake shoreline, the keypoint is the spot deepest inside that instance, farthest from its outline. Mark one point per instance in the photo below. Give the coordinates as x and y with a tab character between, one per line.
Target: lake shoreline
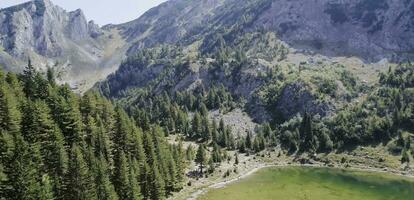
369	169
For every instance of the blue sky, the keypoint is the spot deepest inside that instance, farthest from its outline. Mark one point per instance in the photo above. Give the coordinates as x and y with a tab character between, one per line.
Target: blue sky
101	11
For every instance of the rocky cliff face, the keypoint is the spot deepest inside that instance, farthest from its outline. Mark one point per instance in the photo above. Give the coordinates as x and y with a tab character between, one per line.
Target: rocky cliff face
52	37
369	29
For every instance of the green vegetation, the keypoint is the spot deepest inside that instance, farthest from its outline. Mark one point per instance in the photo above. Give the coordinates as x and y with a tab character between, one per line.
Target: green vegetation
315	183
363	115
382	117
57	145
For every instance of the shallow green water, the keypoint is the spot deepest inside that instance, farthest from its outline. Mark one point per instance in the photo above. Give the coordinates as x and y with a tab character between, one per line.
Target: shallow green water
307	183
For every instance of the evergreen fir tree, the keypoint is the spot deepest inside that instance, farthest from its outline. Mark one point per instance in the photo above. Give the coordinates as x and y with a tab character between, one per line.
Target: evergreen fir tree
68	117
308	140
196	126
214	132
121	176
236	158
201	157
248	141
104	188
158	185
46	192
178	157
10	116
22	171
79	182
50	74
134	188
29	75
189	153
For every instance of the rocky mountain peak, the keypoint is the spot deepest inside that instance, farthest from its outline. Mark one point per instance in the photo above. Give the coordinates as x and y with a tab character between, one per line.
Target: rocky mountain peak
51	36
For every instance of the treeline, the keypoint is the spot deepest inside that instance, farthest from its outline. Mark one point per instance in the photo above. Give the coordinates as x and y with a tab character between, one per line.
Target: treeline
57	145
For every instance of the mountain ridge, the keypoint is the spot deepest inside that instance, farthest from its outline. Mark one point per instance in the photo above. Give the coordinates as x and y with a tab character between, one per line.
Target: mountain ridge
370	30
53	37
77	48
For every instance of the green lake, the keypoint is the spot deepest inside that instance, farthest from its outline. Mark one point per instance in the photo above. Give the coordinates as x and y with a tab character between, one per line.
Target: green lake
308	183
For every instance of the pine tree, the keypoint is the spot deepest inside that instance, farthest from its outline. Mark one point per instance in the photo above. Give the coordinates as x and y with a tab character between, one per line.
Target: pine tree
189	153
104	188
256	146
222	127
214	132
173	183
103	144
10	117
30	85
68	117
201	157
231	143
145	180
236	158
46	192
134	187
216	154
56	159
79	181
3	181
267	130
22	171
158	185
16	86
248	141
211	165
123	130
242	146
206	131
203	110
40	129
308	140
178	156
196	126
162	153
91	130
50	74
121	176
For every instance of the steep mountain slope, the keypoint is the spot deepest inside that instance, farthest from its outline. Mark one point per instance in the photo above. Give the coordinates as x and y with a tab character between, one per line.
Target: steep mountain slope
278	57
79	50
369	29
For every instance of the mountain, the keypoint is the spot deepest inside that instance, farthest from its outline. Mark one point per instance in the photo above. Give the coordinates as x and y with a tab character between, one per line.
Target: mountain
319	82
300	76
83	53
324	57
369	29
80	51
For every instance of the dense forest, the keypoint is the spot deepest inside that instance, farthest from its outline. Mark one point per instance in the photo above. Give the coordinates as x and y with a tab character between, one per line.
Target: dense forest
55	144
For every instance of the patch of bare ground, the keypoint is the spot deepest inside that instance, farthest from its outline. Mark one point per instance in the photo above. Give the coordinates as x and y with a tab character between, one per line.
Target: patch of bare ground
239	121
